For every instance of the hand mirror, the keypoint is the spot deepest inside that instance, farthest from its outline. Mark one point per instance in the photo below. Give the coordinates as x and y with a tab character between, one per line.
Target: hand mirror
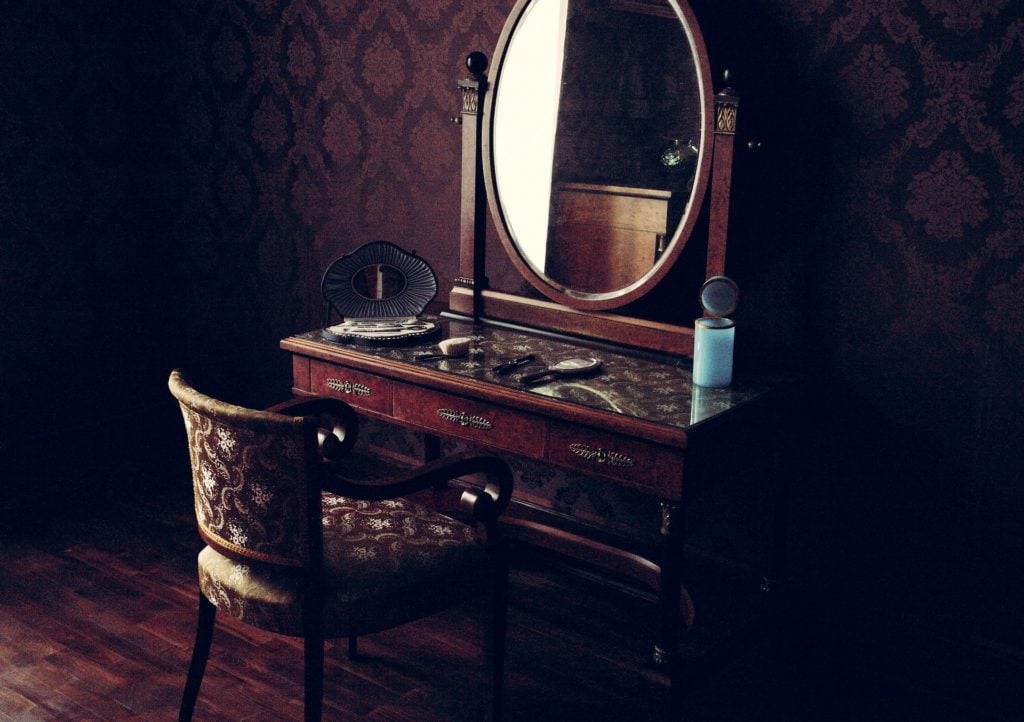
564	368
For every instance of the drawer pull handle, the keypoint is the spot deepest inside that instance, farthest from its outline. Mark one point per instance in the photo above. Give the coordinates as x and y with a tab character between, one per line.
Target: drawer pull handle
464	419
347	387
601	456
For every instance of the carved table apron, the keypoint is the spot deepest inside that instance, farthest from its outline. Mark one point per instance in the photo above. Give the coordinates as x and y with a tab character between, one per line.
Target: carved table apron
638	422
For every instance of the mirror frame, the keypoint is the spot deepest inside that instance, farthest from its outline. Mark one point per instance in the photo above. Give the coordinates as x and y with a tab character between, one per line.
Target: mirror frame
338	287
471	297
617	298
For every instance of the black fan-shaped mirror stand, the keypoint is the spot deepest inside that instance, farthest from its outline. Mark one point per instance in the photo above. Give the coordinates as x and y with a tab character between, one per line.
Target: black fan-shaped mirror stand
379	290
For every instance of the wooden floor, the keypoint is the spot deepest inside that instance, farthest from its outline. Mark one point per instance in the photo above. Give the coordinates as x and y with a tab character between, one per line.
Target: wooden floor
97	616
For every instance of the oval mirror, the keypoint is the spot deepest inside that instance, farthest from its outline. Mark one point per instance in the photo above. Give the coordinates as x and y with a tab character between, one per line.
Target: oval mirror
378	282
597	149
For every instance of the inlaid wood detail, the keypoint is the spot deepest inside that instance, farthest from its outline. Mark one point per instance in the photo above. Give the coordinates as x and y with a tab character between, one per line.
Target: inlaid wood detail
725	117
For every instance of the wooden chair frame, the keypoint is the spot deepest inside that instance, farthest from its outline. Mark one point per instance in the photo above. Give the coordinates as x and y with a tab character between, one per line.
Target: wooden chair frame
330	430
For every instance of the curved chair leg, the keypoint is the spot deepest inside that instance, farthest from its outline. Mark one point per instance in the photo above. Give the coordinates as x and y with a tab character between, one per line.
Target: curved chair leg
200	653
313	651
499	611
314	692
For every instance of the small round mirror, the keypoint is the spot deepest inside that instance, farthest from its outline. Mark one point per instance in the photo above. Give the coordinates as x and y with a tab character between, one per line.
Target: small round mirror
566	367
719	295
574	366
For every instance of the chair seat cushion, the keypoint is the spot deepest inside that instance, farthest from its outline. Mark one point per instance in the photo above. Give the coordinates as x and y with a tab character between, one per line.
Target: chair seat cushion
385	563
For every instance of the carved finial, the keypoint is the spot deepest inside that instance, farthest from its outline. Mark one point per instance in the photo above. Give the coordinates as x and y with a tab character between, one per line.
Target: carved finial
727	91
477	64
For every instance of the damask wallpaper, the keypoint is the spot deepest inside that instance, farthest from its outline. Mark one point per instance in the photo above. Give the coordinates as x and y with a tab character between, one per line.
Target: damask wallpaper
177	175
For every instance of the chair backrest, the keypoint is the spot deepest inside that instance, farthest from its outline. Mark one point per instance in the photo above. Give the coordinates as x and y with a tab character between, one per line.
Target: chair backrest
256	494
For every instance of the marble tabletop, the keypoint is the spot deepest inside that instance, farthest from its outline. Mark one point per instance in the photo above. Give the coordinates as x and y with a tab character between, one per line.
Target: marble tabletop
646	386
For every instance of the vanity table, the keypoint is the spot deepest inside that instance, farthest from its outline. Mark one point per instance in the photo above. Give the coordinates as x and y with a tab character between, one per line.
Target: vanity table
597	137
638	422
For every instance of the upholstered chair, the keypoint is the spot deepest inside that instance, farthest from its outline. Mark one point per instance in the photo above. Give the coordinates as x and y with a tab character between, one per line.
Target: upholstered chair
296	548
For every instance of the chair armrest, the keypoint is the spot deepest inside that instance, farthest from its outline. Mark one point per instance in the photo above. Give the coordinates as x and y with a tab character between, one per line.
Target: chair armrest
342	424
485	504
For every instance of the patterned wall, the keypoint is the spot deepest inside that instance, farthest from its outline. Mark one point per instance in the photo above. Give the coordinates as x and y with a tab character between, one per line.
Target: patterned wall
906	141
175	176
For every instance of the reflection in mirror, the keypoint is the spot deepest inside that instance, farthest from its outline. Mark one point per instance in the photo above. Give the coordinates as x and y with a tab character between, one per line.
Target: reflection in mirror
378	282
525	120
597	125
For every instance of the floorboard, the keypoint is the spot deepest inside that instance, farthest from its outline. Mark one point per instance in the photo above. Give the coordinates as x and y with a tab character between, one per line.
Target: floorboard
97	614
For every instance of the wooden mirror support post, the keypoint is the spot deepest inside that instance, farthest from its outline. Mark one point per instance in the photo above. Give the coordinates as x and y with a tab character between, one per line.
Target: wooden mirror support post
726	109
472	277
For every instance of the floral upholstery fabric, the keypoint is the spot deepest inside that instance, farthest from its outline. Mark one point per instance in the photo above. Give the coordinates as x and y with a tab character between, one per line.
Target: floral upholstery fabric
385	563
249	475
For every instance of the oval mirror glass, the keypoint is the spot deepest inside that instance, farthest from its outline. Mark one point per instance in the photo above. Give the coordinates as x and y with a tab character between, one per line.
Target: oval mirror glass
598	143
378	282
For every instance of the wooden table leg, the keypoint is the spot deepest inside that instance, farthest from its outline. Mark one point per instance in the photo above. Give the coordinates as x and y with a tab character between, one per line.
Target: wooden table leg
666	646
775	573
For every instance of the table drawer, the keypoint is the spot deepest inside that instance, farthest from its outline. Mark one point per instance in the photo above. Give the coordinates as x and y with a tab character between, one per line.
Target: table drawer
361	390
633	462
482	423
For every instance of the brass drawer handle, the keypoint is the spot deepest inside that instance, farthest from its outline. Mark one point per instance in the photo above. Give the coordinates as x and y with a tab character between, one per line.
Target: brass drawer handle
601	456
464	419
347	387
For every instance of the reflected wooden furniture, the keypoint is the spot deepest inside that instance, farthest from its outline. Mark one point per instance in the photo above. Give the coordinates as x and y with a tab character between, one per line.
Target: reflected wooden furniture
296	548
639	423
607	236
